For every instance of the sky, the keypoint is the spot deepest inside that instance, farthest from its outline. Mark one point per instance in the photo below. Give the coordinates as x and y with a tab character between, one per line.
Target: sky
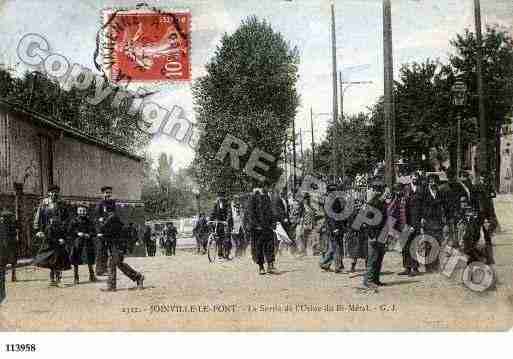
421	29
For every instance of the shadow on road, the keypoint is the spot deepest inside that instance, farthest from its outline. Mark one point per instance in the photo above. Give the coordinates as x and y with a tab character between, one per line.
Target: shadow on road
400	282
363	273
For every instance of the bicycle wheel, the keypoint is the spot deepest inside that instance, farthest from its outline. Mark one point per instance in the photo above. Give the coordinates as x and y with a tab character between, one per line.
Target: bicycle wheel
212	248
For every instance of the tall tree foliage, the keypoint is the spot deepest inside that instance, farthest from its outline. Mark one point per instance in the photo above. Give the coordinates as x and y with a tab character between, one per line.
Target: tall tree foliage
354	147
106	121
167	194
425	117
249	92
497	70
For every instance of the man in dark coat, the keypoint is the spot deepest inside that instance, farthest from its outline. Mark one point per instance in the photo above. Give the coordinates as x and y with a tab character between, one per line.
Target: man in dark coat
336	228
149	242
376	247
200	231
7	248
82	234
261	224
482	204
411	202
170	234
110	231
222	211
280	207
450	193
50	224
432	220
101	210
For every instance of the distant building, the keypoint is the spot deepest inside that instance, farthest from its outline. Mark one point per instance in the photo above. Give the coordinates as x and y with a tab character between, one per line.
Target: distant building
36	151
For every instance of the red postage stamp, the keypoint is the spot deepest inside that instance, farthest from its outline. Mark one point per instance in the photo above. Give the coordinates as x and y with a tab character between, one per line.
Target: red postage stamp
149	46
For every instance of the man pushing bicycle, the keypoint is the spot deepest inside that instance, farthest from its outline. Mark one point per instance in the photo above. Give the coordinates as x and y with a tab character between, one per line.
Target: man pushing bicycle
222	212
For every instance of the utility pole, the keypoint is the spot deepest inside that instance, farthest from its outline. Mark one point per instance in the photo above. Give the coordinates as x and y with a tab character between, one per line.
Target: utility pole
483	168
341	95
285	164
294	174
388	95
341	124
313	142
335	96
301	149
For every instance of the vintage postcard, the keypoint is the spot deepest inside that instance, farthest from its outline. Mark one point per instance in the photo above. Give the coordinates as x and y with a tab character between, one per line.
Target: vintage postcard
270	165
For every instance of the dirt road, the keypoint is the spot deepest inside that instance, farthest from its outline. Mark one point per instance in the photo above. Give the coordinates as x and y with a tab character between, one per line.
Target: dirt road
186	292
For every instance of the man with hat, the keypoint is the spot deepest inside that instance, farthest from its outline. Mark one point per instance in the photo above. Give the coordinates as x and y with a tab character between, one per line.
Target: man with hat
432	221
222	211
101	210
281	208
336	229
50	224
307	225
261	224
8	248
110	231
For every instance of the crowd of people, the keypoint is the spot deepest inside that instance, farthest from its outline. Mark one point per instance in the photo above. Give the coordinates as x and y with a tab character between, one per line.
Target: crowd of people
456	211
270	220
70	236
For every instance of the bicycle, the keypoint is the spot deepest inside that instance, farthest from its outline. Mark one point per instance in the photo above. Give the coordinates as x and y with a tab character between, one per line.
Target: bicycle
214	241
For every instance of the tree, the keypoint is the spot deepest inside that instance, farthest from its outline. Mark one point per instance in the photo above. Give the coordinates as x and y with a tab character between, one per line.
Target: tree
354	146
249	92
164	170
37	93
497	70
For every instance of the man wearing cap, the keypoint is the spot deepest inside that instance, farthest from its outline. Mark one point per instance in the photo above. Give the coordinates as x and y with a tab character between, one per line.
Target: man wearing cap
8	248
100	213
81	233
110	231
261	224
222	211
50	224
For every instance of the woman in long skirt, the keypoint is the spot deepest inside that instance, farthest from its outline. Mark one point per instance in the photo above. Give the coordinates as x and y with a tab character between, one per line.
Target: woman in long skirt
356	243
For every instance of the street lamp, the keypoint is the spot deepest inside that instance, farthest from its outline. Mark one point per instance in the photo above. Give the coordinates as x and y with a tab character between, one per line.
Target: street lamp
459	90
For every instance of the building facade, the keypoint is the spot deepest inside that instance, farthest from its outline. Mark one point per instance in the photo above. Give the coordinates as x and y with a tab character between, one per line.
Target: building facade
36	152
